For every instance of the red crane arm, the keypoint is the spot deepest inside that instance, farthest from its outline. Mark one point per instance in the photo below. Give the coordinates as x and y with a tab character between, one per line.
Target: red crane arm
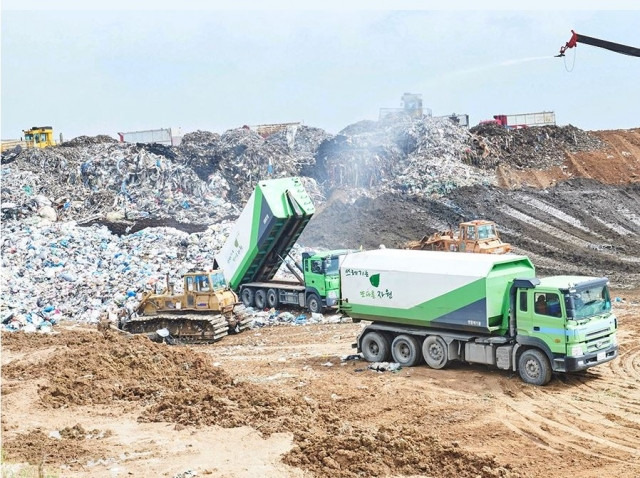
608	45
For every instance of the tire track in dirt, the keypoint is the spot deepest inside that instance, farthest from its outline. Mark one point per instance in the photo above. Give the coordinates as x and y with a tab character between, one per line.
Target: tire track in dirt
551	429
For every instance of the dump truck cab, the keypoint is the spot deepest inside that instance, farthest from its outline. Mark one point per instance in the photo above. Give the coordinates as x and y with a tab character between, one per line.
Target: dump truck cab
39	137
322	275
570	319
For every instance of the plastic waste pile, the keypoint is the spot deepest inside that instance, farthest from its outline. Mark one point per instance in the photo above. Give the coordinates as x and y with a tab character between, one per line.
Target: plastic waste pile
64	271
415	156
111	180
535	147
274	317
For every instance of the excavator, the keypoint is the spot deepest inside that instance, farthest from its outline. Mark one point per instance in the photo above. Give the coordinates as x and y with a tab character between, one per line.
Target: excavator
478	236
607	45
205	311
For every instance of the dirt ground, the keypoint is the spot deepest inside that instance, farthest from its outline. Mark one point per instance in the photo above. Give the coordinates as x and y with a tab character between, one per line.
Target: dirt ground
280	401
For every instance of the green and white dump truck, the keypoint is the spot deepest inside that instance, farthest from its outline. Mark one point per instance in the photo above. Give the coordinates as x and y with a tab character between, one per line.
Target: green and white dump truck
477	308
262	237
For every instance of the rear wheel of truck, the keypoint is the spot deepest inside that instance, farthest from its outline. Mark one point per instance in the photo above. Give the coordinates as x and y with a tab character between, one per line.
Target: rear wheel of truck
314	304
272	298
375	347
260	299
405	350
247	297
435	352
534	368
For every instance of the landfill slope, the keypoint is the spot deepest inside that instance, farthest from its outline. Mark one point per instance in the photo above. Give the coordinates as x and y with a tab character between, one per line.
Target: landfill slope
576	211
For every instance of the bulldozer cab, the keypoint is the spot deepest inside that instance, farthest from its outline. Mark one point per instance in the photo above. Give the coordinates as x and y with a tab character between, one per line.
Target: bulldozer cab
39	137
478	230
202	283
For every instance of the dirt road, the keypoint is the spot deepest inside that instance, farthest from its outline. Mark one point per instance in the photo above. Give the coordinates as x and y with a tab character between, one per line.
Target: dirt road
279	401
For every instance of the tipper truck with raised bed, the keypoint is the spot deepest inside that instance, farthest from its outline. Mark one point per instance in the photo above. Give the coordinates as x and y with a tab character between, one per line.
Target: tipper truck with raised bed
477	308
263	236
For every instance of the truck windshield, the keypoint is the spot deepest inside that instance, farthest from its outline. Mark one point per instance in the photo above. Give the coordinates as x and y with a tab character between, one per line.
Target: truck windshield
331	265
217	281
590	302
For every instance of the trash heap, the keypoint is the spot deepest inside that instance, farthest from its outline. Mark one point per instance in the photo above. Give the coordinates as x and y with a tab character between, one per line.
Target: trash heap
245	157
417	156
197	151
62	270
536	147
112	180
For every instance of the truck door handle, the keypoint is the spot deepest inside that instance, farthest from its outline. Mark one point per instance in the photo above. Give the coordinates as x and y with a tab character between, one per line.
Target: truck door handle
537	329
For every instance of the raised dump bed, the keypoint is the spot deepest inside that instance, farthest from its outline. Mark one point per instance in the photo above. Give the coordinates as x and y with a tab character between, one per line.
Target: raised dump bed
271	222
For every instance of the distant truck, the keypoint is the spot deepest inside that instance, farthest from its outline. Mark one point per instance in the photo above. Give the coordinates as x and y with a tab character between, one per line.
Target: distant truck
262	237
476	308
478	236
525	120
166	136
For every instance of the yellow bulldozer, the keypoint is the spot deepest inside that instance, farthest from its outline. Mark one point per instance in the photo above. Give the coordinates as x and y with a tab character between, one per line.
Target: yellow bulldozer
36	137
202	313
477	236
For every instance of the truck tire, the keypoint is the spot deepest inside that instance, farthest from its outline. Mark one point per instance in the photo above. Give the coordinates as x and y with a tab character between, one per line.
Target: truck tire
272	298
435	352
534	368
247	297
314	304
260	299
405	350
375	347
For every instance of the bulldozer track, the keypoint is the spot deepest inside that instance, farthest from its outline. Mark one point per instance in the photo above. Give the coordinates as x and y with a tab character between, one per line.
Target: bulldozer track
192	328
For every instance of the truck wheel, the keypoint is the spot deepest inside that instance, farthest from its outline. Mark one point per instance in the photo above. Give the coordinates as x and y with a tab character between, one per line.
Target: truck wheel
314	304
375	347
247	297
272	298
405	350
534	368
435	352
260	298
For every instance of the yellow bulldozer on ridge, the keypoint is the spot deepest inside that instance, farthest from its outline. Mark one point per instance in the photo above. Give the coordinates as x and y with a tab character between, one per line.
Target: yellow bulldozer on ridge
478	236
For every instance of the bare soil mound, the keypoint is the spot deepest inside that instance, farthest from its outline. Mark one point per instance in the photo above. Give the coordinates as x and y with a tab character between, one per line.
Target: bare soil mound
180	385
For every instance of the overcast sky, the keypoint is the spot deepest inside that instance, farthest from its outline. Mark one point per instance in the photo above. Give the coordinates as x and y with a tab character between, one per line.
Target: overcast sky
103	71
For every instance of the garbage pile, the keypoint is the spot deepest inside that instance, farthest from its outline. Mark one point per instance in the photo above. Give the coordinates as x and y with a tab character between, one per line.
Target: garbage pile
245	157
115	181
198	151
536	147
417	156
87	140
63	271
274	317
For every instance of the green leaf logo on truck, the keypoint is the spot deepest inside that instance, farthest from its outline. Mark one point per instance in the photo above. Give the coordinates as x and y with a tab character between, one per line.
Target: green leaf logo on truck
375	280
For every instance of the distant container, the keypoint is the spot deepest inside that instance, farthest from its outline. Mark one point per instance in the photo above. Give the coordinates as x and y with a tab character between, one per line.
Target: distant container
525	120
166	136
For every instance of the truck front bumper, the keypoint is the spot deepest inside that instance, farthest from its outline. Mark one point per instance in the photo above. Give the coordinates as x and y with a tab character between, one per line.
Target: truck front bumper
575	364
331	302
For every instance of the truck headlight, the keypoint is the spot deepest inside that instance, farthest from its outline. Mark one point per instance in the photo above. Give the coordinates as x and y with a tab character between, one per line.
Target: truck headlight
332	294
576	351
614	339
